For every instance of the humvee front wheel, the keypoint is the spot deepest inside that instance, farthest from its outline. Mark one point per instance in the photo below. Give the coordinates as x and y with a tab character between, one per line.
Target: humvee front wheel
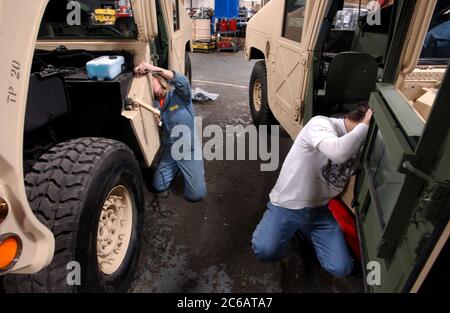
89	192
259	103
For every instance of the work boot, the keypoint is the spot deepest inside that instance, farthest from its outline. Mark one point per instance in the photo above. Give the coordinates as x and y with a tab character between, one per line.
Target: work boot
156	203
160	195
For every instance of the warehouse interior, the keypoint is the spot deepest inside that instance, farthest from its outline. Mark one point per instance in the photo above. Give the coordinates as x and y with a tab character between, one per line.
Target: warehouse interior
90	181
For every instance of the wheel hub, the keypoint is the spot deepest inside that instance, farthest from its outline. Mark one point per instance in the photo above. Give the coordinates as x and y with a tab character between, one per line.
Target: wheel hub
257	95
114	230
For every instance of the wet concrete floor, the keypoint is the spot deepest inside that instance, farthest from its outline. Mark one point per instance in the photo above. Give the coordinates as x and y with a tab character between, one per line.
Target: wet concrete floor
205	247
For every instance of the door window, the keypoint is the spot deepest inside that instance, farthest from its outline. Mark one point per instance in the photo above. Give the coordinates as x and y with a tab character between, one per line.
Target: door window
176	15
387	182
294	18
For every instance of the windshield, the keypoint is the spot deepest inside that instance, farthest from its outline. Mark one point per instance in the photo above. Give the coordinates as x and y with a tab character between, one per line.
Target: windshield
88	19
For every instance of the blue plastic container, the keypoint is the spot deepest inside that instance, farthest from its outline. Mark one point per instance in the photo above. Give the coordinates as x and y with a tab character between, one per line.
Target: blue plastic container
226	9
105	68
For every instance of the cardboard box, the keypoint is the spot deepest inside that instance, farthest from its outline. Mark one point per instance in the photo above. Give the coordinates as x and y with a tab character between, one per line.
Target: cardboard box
201	29
424	104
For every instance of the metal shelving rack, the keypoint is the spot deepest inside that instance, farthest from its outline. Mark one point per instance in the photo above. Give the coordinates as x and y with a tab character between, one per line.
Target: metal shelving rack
234	34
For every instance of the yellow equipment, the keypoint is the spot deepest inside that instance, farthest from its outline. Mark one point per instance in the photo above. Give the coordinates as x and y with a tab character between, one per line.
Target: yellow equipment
105	16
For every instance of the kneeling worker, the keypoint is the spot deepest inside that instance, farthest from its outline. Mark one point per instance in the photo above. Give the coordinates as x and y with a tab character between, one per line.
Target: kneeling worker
172	93
317	169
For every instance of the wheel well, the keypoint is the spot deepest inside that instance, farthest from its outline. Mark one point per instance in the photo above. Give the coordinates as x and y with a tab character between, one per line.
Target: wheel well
69	127
256	54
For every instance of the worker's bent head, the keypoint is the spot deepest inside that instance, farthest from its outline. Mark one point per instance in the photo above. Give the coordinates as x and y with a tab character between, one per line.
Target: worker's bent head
160	86
357	115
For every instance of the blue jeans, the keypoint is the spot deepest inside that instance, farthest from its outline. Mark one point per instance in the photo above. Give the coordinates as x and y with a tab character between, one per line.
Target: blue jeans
318	225
193	172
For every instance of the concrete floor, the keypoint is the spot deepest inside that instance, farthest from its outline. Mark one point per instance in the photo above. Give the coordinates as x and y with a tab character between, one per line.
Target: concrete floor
205	247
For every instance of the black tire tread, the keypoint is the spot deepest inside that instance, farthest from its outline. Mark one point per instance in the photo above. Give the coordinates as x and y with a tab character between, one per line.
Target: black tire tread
55	188
188	67
265	116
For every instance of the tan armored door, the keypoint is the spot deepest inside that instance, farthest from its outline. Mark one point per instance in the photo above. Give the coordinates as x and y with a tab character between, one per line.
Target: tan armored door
301	22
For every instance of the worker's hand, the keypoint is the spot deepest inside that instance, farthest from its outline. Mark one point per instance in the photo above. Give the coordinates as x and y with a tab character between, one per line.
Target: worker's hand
145	68
368	117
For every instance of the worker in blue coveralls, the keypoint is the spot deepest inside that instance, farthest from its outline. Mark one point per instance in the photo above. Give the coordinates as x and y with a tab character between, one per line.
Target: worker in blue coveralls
173	97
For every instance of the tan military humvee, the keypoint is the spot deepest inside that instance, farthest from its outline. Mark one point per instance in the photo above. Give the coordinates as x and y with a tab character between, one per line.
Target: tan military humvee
323	57
71	148
289	44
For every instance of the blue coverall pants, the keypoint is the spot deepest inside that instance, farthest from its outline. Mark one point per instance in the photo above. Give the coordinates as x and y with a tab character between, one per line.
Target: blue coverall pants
193	172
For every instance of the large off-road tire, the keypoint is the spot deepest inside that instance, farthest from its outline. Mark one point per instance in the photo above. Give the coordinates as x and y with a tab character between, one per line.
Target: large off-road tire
188	67
89	193
259	103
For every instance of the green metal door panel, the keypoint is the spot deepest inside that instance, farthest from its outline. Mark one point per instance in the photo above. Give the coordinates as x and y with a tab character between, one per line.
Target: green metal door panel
402	241
392	273
412	125
442	170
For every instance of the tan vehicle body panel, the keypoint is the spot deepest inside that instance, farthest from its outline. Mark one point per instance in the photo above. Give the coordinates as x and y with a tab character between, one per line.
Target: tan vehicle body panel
179	38
24	18
287	76
287	61
37	240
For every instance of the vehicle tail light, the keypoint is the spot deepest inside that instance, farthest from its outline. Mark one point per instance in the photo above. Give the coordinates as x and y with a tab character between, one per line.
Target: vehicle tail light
10	249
